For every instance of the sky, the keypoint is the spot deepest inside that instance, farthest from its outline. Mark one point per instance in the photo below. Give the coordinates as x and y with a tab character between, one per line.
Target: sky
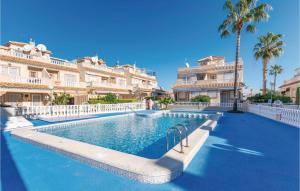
156	35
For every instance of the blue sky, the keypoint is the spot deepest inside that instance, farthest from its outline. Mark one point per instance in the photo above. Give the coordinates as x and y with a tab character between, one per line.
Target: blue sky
157	35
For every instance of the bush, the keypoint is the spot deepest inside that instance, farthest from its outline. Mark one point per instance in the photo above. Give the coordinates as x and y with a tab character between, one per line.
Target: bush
62	99
126	100
259	98
201	98
110	99
166	101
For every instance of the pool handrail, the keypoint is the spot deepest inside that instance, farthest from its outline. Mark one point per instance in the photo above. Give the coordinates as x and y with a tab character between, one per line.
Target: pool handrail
186	133
175	129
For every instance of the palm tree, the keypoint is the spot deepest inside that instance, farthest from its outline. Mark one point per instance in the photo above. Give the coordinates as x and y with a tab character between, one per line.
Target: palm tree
275	70
242	15
269	46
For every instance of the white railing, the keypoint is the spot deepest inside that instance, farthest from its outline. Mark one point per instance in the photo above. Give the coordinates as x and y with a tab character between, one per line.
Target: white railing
73	84
79	110
288	116
23	79
108	85
203	105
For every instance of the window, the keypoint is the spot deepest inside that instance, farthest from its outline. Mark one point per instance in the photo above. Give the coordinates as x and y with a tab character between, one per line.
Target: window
6	70
228	76
70	78
33	74
200	76
14	71
212	94
213	76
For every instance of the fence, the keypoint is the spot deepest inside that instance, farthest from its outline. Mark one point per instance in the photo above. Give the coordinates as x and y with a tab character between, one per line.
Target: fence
200	105
77	110
285	115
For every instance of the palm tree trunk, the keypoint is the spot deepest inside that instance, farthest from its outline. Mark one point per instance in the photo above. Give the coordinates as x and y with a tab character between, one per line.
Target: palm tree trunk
237	55
275	76
265	71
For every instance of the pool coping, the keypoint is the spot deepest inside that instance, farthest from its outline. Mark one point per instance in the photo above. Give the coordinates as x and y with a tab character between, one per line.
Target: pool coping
153	171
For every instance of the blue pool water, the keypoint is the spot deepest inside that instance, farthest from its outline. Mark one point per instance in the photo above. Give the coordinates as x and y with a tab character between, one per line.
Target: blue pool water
142	136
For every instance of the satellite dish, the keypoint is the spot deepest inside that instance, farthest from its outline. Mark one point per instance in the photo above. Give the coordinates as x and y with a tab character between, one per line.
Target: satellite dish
27	47
187	64
41	47
95	59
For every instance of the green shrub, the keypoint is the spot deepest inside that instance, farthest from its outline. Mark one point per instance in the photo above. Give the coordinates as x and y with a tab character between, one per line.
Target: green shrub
126	100
166	101
110	98
259	98
62	99
201	98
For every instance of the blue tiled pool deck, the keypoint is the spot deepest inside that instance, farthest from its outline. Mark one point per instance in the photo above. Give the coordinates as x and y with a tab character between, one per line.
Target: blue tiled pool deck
245	152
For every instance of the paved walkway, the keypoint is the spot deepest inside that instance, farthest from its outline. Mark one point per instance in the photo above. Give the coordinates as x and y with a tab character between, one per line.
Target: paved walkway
246	152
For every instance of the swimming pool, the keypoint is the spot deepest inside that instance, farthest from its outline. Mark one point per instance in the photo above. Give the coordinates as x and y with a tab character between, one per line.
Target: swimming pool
141	136
127	144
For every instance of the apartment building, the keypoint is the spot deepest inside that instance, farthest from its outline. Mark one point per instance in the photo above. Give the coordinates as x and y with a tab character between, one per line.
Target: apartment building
30	75
212	77
289	87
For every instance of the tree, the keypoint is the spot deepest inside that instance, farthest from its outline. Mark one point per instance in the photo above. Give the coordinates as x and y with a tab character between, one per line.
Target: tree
166	101
269	46
242	15
275	70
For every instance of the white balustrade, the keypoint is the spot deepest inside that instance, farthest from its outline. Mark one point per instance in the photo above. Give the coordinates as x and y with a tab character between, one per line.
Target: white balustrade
203	104
285	115
76	110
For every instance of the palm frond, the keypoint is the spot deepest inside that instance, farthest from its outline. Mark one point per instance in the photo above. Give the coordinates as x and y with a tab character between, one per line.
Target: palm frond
251	28
225	34
228	5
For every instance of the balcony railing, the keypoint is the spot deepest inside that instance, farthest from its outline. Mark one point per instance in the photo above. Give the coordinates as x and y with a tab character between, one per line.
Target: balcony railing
108	85
20	54
207	83
73	84
143	86
61	62
24	80
210	67
104	68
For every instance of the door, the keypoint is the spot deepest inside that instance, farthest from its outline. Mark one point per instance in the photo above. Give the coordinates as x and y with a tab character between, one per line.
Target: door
36	99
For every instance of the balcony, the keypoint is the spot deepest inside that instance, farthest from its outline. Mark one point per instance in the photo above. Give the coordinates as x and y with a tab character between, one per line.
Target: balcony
108	85
62	62
143	73
206	83
196	69
71	84
20	54
23	80
143	86
103	68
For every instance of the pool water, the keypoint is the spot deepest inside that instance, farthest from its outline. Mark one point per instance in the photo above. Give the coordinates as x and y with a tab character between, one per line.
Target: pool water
142	136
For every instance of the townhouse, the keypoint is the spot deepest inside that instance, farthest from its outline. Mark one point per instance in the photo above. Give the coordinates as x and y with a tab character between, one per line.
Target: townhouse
30	76
212	77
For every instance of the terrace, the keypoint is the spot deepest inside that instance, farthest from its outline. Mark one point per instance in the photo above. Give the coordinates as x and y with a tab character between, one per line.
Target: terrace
238	155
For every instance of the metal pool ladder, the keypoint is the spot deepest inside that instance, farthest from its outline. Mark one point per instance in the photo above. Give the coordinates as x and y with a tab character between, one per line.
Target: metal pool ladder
177	130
